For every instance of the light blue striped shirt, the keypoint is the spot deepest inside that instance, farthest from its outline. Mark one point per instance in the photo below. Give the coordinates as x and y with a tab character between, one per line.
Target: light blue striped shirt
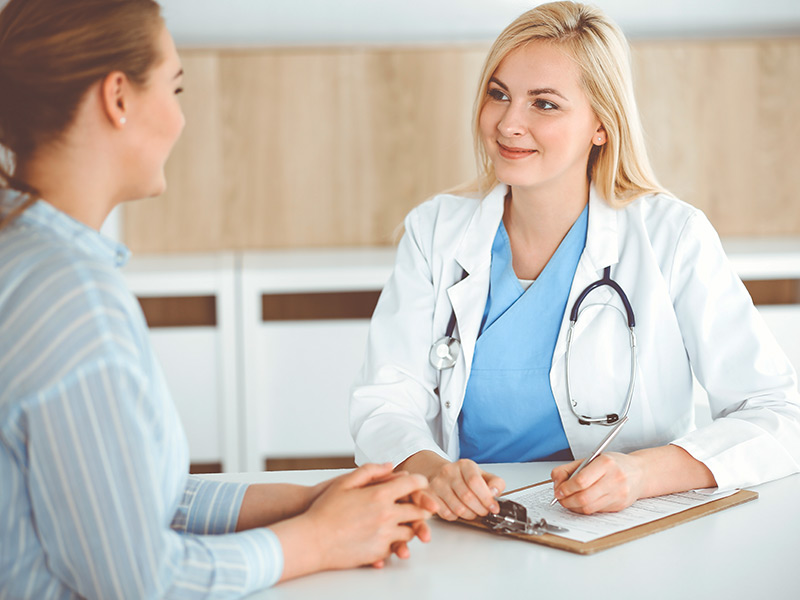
95	499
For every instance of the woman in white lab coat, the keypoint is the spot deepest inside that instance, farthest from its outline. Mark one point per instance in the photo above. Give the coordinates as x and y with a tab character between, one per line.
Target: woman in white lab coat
566	197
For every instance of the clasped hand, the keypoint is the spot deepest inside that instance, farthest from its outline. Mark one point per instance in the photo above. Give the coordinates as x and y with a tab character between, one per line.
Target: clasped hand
374	513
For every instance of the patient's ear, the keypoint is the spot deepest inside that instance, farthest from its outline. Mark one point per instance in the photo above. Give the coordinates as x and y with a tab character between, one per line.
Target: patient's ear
114	96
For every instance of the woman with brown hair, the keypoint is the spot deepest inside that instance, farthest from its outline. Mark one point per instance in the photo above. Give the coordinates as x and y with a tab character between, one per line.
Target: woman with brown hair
95	498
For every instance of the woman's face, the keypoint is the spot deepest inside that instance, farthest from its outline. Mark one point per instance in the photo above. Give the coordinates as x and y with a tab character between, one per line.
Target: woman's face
155	122
537	125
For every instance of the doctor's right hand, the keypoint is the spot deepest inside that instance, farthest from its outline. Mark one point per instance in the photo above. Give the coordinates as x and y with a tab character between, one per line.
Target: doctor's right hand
462	489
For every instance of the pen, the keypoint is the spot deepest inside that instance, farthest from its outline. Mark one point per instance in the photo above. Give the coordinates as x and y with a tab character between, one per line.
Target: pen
606	441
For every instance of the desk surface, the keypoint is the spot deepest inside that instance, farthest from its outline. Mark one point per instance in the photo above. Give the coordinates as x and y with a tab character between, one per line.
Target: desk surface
748	551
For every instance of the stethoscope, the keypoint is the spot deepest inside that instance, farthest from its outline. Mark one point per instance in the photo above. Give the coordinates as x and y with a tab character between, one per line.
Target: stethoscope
445	351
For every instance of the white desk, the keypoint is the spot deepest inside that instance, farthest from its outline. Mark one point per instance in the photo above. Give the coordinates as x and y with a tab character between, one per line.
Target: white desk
747	552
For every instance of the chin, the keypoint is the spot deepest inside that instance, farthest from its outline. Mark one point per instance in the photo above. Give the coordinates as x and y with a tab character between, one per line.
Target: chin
144	194
146	187
157	188
512	181
511	175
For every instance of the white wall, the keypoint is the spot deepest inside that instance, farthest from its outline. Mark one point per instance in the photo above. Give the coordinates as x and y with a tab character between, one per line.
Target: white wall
304	22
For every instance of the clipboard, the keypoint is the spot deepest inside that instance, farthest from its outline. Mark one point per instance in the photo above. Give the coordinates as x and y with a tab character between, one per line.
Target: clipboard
627	535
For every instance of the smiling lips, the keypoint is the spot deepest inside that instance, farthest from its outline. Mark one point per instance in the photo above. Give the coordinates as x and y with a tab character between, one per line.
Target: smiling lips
514	153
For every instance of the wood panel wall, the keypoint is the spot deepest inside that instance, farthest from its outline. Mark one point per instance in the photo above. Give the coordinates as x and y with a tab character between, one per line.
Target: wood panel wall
723	126
332	147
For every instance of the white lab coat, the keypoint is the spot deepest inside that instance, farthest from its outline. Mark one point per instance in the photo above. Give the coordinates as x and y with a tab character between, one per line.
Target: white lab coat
692	313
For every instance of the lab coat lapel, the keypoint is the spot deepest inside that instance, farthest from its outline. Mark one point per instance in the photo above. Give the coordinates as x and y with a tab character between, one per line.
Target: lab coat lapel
474	255
601	251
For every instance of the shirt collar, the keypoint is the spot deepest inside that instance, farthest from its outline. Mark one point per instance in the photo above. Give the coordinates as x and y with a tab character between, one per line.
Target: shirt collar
474	251
44	216
602	238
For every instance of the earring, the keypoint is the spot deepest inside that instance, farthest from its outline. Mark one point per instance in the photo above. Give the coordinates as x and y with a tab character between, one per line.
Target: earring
122	120
599	139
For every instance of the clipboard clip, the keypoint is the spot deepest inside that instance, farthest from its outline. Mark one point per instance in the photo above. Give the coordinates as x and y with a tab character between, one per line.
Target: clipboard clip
513	518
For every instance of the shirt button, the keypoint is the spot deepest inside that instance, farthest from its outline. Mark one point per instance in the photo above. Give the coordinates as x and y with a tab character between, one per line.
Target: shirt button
447	404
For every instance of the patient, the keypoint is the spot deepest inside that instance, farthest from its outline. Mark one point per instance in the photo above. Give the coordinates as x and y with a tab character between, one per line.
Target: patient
95	499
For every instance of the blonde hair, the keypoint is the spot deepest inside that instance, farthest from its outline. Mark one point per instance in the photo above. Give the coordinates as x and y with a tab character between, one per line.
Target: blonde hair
619	169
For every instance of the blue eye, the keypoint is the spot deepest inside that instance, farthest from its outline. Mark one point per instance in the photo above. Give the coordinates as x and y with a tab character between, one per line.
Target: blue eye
497	94
179	91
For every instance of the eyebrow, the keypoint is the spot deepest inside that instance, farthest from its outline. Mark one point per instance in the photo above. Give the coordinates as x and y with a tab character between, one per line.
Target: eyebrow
178	74
535	92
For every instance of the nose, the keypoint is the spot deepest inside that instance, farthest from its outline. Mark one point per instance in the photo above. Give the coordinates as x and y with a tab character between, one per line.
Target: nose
512	123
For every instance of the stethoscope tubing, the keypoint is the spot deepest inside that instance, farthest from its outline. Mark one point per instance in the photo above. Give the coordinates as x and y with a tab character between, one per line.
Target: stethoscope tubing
605	280
611	418
445	351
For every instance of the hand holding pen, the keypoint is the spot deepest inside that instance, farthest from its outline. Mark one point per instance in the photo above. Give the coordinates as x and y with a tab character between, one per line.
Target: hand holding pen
597	452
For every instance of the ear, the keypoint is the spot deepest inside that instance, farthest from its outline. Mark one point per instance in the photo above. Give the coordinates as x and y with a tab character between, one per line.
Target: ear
599	138
115	90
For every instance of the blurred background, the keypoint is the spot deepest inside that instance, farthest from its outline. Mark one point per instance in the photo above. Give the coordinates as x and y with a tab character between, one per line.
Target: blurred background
313	123
314	126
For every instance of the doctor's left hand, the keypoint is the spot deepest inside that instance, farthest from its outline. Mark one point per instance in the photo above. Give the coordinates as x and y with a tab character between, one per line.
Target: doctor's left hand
461	489
609	483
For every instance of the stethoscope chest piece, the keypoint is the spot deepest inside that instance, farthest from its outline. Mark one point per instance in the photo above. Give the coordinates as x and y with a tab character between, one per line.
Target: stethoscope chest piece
444	352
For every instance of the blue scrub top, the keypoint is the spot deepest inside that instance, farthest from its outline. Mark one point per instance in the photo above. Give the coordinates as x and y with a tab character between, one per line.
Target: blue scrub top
509	412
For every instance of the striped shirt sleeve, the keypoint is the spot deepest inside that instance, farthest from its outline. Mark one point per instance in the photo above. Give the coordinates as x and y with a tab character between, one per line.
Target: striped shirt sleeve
209	507
102	503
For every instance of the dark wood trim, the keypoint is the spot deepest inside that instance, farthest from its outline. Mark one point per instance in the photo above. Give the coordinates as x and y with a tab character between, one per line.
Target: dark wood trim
180	311
304	464
774	291
318	306
210	467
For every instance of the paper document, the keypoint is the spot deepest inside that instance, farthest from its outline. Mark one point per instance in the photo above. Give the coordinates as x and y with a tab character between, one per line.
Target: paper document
586	528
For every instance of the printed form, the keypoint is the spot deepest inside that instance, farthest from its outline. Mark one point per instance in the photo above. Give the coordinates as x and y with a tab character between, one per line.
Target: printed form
586	528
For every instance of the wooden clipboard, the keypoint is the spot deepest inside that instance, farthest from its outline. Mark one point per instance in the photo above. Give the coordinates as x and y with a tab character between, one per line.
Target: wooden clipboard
615	539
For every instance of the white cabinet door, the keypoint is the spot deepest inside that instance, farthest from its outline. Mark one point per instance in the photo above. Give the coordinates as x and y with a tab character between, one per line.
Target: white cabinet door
188	357
303	384
784	321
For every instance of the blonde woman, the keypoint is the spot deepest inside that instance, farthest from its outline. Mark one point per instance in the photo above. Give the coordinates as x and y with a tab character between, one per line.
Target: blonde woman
470	343
95	497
